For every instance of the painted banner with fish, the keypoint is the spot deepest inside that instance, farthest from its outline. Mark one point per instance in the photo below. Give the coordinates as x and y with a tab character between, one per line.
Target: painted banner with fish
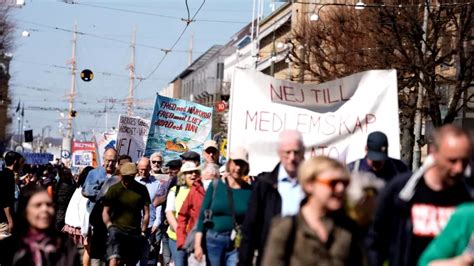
178	126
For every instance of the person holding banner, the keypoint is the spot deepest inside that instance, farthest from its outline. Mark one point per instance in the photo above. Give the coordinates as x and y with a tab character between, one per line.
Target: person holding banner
276	193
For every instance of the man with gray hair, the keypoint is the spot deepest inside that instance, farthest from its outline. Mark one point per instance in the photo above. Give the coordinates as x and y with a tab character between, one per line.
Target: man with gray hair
275	193
156	160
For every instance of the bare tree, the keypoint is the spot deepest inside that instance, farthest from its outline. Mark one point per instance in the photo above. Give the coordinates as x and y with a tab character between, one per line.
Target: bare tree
5	31
345	41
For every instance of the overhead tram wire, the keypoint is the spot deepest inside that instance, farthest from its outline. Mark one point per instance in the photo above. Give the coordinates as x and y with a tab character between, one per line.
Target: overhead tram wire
96	36
104	73
159	15
188	22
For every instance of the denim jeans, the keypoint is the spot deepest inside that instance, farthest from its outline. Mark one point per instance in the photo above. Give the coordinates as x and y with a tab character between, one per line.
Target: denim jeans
220	249
180	257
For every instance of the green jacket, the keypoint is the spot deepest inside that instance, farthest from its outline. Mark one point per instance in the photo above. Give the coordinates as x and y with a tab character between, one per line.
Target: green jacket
453	240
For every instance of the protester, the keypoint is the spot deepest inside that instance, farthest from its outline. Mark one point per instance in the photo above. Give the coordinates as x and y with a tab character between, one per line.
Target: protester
13	164
162	237
124	203
92	187
63	192
274	194
123	158
189	173
49	179
222	214
321	233
210	152
153	186
455	244
191	156
156	160
74	218
377	160
189	211
35	241
413	208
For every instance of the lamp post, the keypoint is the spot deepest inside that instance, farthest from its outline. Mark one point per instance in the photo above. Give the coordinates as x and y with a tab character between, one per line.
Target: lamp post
420	96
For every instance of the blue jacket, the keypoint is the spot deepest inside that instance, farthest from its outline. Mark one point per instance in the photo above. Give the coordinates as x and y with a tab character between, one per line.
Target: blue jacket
94	181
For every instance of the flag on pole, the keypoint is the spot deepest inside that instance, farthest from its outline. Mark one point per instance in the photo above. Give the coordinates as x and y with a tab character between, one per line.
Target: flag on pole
23	110
18	107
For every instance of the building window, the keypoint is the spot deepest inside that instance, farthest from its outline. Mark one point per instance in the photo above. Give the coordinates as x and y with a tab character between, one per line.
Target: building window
220	71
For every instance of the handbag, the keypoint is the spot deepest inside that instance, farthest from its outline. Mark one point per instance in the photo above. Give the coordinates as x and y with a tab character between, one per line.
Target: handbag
189	242
236	234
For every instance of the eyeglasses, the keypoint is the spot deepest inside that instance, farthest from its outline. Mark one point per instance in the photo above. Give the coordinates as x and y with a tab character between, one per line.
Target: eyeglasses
332	183
157	162
110	161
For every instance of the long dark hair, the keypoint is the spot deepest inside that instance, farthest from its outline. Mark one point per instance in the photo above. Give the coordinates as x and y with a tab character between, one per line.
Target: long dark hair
83	175
21	223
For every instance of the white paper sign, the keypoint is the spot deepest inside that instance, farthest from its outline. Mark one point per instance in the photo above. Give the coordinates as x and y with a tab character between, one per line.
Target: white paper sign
132	135
334	117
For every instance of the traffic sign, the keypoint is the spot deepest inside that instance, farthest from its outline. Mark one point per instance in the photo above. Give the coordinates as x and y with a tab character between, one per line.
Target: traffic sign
221	106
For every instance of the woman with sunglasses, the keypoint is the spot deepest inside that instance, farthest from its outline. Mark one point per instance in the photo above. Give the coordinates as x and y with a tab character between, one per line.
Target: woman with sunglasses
222	213
321	233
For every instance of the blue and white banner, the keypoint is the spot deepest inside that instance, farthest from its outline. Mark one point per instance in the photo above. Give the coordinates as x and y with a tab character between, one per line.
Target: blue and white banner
38	158
178	126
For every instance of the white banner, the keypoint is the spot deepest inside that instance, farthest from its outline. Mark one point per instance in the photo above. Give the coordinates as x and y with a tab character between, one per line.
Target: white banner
334	117
131	136
104	141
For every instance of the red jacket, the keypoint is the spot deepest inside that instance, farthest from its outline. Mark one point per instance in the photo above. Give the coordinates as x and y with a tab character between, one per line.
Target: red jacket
189	212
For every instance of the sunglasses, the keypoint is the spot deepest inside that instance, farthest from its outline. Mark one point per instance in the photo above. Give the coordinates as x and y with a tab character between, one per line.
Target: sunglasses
157	162
332	183
192	172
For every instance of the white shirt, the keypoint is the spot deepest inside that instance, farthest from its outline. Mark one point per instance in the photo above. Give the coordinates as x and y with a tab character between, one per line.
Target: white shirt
290	191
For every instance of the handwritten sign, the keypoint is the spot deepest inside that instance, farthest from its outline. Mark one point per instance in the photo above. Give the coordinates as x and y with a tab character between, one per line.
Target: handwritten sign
132	135
178	126
334	117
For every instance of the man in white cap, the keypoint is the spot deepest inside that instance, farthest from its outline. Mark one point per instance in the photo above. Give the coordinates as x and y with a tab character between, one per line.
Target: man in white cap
210	152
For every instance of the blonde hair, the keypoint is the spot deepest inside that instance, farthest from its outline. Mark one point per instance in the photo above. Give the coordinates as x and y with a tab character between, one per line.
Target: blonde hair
310	169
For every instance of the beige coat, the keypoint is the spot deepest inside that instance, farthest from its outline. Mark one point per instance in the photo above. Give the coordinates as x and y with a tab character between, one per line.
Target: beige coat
293	242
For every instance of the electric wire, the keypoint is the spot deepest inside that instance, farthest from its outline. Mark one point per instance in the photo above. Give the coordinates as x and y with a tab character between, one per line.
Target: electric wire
172	46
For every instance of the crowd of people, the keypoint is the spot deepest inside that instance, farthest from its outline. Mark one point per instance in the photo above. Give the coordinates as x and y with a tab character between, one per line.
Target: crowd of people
194	211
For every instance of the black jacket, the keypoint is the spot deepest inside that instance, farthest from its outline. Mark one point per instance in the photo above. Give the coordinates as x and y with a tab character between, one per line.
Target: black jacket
390	236
264	205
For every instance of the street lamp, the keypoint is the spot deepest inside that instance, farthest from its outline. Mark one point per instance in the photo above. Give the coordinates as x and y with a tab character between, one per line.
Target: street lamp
360	5
315	16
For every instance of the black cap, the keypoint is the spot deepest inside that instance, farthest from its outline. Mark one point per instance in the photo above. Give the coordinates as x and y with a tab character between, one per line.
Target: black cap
377	146
191	156
174	164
